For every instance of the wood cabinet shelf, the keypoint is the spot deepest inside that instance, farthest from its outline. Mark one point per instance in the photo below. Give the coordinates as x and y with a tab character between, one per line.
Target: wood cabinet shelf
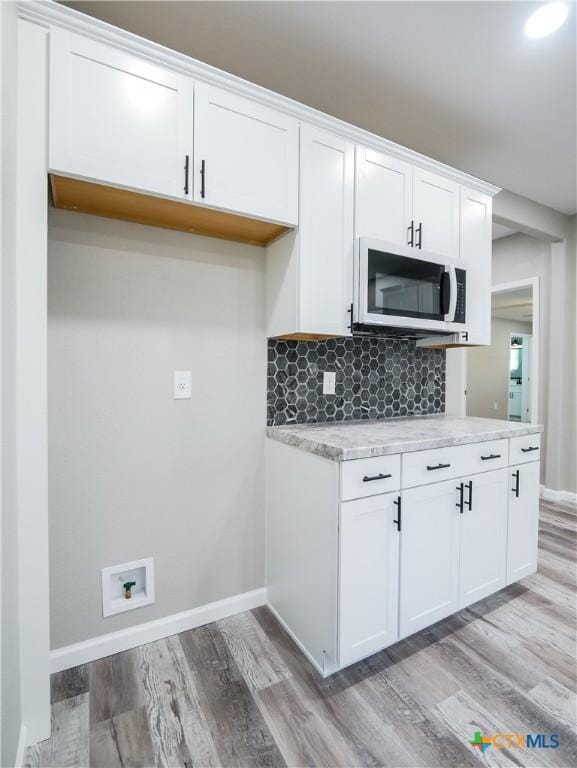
115	203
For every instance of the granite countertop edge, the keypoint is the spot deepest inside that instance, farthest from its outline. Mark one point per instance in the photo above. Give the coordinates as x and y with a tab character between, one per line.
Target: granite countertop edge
289	436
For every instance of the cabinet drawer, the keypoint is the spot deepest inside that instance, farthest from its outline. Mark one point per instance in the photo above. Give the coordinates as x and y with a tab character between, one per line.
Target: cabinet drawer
422	467
525	449
367	477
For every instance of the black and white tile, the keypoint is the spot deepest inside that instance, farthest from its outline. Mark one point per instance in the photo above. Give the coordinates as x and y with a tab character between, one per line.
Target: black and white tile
375	378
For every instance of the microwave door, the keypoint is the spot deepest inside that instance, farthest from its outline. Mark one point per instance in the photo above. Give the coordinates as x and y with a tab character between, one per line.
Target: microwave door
399	286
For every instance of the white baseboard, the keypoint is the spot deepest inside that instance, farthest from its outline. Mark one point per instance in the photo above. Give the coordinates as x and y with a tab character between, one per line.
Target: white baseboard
21	747
115	642
549	494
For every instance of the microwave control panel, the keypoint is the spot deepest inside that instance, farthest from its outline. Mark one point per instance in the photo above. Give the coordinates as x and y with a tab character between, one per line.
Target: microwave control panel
460	309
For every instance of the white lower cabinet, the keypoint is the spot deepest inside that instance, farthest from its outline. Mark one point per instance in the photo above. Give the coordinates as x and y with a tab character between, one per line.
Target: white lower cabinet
429	572
483	536
351	571
523	526
369	576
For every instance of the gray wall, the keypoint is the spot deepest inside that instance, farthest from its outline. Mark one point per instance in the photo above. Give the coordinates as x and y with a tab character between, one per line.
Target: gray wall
133	472
10	702
488	371
518	257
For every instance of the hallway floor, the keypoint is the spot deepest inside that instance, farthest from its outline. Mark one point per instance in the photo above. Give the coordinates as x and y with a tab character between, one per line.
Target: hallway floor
239	693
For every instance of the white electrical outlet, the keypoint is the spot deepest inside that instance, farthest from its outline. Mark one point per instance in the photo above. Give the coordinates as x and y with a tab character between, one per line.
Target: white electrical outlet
182	385
329	381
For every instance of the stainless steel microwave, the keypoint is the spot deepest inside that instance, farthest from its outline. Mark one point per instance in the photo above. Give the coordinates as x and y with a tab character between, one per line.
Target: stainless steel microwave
406	292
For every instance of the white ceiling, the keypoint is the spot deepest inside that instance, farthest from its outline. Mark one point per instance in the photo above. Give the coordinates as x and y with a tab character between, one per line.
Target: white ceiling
458	81
513	305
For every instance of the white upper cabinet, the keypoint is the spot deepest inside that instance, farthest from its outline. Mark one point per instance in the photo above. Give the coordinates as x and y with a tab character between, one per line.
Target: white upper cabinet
384	196
403	204
245	156
309	273
326	232
118	119
369	576
475	252
436	213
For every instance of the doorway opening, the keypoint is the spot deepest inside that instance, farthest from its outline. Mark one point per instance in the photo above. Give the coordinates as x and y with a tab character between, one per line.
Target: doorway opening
502	379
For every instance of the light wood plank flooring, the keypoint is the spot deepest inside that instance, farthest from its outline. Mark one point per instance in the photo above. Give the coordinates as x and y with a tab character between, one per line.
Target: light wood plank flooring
239	693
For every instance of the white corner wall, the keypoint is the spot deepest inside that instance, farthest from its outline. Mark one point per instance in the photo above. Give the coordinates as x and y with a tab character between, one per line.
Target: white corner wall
134	473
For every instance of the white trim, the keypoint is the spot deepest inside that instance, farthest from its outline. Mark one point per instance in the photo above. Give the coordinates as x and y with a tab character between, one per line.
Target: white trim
533	283
115	642
548	494
21	746
54	14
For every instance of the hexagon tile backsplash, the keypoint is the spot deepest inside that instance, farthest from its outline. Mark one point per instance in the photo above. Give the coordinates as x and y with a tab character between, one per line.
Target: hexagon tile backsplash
376	378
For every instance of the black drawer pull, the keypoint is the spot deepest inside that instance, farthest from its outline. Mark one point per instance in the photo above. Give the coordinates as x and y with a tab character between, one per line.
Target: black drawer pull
367	479
203	178
460	503
532	448
470	502
397	522
186	169
438	466
516	488
492	456
419	231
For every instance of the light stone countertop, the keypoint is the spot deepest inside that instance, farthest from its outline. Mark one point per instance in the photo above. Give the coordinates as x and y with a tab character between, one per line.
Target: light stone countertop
345	440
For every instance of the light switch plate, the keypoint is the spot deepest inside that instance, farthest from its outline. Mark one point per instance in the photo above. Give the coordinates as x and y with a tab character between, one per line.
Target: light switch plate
182	385
329	381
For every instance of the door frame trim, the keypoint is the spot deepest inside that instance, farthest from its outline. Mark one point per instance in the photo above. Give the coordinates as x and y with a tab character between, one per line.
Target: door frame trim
534	284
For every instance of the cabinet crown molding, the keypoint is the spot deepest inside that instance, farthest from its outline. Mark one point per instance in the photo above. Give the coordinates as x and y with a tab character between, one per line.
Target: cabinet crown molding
49	13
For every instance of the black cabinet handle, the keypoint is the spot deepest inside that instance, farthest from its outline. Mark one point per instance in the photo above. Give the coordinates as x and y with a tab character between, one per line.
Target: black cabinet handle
516	488
437	466
411	229
186	167
461	489
470	502
397	522
370	478
419	231
202	177
531	448
491	456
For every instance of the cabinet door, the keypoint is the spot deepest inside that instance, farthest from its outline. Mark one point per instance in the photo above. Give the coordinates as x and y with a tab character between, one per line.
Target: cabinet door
436	213
483	536
326	232
369	573
429	573
118	119
476	248
384	194
523	526
245	156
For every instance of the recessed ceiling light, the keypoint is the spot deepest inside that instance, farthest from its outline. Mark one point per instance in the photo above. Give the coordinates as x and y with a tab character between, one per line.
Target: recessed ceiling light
546	19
